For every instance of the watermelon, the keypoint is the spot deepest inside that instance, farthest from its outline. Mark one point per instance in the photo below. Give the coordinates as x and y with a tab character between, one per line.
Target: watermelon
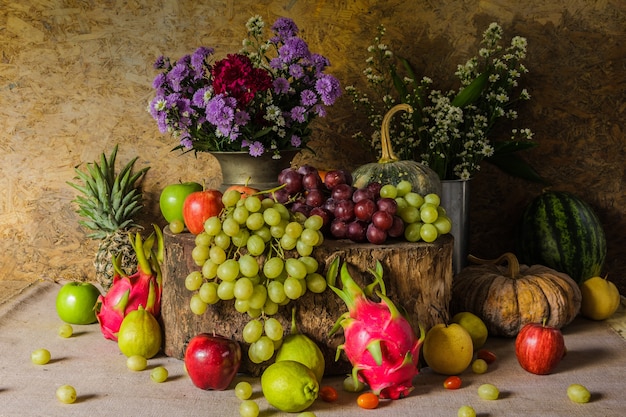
561	231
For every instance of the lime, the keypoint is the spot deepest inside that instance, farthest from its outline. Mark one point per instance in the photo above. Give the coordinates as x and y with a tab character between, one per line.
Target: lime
289	386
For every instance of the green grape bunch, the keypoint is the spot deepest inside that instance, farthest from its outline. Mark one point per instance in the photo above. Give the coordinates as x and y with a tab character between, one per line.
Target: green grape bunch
257	255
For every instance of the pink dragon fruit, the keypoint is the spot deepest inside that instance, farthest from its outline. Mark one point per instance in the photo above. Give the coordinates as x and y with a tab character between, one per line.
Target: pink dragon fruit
127	293
379	342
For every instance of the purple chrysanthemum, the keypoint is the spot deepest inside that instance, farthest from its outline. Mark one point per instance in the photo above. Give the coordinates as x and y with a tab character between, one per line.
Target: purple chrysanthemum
281	85
308	98
256	149
296	141
298	114
328	88
285	27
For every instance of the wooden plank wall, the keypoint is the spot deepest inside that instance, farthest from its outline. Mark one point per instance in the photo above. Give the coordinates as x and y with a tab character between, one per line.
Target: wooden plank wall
75	79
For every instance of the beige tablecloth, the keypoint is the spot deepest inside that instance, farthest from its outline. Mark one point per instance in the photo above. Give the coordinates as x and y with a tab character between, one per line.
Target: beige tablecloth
94	366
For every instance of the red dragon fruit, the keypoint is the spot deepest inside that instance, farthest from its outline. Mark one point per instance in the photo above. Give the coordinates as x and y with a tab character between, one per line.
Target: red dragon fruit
379	341
127	293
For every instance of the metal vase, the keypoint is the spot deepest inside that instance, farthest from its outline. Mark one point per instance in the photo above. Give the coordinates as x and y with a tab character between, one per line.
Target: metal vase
455	195
239	168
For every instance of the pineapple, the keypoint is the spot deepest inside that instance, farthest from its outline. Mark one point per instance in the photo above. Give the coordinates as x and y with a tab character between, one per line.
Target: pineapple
107	205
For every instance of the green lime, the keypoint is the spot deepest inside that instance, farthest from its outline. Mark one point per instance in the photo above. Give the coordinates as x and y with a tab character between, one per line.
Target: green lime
289	386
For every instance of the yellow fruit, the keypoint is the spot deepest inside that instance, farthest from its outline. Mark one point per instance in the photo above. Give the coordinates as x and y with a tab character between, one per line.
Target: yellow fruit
600	298
474	326
140	334
448	350
289	386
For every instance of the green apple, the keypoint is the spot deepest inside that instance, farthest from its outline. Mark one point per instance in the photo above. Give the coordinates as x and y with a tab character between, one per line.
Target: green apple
474	326
75	302
173	197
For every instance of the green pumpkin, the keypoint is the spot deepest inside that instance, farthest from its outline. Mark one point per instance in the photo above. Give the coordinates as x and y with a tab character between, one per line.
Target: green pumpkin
391	170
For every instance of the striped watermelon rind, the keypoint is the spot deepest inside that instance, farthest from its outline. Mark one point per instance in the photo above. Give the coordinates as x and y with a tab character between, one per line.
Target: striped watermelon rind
561	231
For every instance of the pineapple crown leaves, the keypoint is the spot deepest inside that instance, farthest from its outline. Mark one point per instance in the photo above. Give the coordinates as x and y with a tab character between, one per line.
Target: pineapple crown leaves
108	201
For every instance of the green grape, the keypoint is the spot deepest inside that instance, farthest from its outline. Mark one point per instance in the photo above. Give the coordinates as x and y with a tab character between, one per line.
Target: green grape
443	224
194	280
240	214
352	384
466	411
303	249
277	344
243	289
197	305
254	312
314	222
243	389
258	297
320	238
316	283
248	265
388	191
267	202
311	264
264	348
209	269
136	363
217	255
66	394
252	203
272	216
295	268
228	270
276	292
248	408
226	290
403	188
40	356
273	329
208	293
287	242
255	245
66	330
488	392
578	393
310	237
277	231
222	240
176	226
270	307
159	374
414	199
252	331
284	211
230	226
203	239
479	366
242	306
433	199
401	202
255	221
213	225
273	267
293	288
241	239
428	213
293	230
254	358
231	197
428	233
200	254
264	233
409	214
255	279
412	232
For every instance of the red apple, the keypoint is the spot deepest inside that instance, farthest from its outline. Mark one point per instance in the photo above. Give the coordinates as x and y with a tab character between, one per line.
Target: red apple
212	361
199	206
539	348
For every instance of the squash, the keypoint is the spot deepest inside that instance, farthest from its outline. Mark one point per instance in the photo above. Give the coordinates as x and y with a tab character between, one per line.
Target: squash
391	170
508	297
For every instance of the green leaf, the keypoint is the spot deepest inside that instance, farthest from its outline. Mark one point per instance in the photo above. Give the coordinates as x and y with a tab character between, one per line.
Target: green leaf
472	92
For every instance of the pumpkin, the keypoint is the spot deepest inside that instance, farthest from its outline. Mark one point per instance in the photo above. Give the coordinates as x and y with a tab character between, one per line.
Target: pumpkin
391	170
561	231
507	297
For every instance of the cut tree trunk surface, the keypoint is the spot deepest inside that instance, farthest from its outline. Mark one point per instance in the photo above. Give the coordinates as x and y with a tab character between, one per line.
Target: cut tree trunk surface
418	278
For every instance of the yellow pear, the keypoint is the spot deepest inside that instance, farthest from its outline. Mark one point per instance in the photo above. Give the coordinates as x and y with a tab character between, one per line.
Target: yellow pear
448	350
600	298
474	326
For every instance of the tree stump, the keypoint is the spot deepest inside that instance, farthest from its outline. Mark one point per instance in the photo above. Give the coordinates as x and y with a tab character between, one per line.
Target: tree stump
418	278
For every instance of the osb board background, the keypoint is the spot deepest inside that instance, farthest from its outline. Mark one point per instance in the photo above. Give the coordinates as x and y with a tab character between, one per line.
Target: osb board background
75	79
